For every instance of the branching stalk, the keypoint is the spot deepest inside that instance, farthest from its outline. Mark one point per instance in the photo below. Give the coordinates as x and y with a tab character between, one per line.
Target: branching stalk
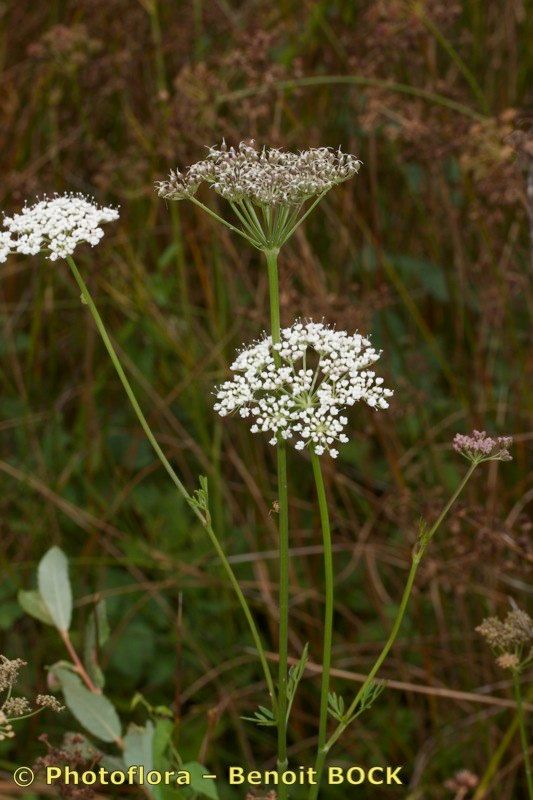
415	563
202	515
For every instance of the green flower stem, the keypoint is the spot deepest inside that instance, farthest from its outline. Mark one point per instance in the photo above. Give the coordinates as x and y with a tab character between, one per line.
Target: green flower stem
283	505
252	212
273	289
287	233
497	756
203	517
523	732
280	219
225	222
328	613
415	563
255	234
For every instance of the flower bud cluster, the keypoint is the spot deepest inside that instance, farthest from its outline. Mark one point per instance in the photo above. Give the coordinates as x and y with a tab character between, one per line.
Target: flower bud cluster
481	447
297	389
267	176
55	226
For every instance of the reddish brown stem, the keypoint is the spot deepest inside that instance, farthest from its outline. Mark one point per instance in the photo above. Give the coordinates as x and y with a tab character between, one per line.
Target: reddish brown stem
80	669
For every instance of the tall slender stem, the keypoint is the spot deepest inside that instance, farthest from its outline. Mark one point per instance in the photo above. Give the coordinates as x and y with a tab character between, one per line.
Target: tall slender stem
283	510
523	732
328	612
203	517
415	563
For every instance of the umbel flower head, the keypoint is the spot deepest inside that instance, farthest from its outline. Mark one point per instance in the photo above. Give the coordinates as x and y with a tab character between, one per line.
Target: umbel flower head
479	446
266	187
55	226
13	708
266	176
511	638
297	389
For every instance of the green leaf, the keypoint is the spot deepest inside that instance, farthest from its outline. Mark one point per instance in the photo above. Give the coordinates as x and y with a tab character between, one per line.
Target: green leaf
336	706
93	711
96	634
204	786
138	746
295	675
34	605
162	736
54	587
263	717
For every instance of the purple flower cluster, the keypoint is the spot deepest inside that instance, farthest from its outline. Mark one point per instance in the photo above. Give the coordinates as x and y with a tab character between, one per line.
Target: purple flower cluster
479	446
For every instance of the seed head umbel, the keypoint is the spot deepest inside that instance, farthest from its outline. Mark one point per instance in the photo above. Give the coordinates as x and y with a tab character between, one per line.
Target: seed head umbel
9	671
508	661
54	226
297	389
266	176
479	446
48	701
16	707
510	638
462	781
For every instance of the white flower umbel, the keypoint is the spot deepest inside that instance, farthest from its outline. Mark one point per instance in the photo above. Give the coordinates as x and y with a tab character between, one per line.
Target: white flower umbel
266	176
296	390
55	226
6	245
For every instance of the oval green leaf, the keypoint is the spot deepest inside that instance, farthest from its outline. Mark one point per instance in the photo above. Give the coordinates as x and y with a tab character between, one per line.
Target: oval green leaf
138	746
54	587
34	605
93	711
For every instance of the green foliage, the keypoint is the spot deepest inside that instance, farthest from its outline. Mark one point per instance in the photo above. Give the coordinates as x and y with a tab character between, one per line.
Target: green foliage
263	717
337	706
295	675
93	711
139	746
204	787
34	605
54	588
96	635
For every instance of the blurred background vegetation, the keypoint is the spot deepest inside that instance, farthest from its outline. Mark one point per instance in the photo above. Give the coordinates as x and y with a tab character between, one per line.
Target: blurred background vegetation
428	249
